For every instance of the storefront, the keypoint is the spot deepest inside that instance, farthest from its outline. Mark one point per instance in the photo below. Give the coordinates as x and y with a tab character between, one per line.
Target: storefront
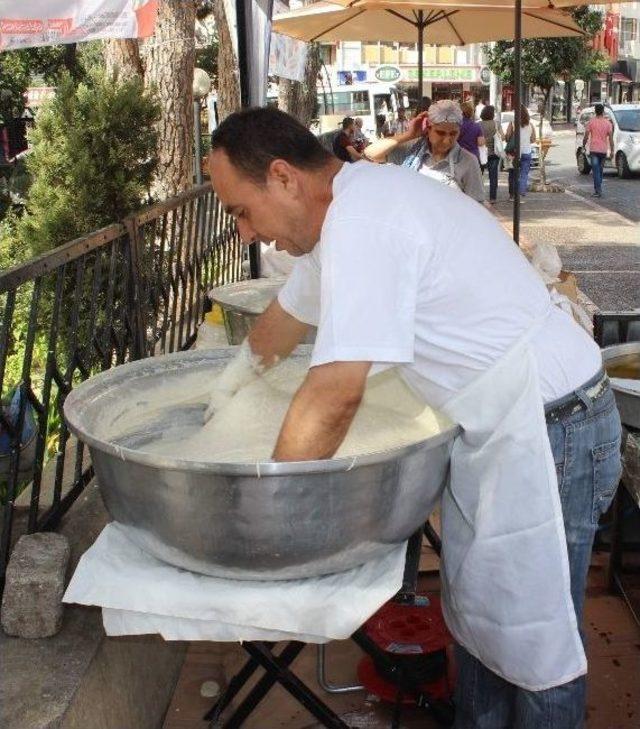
462	83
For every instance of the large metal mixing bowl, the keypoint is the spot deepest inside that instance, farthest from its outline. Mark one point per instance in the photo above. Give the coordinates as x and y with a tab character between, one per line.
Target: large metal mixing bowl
623	361
251	521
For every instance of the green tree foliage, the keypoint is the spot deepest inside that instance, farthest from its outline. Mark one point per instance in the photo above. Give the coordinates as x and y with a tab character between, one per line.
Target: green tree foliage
21	68
544	60
92	159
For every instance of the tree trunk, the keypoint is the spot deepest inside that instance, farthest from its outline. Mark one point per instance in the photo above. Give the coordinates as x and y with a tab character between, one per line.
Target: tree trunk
123	57
300	98
169	62
228	84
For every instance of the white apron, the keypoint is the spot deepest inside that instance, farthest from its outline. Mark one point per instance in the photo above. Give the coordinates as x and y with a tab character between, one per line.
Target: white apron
505	570
445	178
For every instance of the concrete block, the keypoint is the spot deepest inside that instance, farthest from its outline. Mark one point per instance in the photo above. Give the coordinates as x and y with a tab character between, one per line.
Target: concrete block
32	601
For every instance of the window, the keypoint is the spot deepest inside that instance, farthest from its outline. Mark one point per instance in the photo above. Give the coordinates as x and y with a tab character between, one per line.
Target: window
628	120
628	30
345	103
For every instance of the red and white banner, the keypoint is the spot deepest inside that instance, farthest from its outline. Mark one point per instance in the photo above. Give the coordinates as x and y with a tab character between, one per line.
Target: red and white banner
31	23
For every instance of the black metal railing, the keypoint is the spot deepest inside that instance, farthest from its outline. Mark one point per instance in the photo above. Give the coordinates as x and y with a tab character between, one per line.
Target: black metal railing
130	290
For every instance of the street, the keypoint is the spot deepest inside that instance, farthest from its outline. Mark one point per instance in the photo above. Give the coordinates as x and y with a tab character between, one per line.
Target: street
598	240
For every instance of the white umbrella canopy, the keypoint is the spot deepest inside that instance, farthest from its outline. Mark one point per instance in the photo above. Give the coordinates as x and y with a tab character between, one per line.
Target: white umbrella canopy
400	21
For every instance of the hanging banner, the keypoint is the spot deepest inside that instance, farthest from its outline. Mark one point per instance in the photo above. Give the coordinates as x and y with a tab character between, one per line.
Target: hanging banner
287	57
32	23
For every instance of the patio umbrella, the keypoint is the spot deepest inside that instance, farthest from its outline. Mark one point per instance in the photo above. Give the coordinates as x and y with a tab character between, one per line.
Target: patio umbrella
433	21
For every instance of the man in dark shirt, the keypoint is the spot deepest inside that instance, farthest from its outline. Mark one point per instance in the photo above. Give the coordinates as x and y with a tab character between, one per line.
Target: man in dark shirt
344	145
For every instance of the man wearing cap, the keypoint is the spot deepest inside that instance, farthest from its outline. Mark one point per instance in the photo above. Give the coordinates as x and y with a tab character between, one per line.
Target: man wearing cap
397	270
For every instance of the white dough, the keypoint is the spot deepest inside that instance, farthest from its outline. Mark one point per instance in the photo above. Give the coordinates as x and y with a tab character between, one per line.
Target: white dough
245	429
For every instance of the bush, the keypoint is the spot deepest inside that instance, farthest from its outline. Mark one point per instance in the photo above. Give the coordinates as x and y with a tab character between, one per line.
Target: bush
92	159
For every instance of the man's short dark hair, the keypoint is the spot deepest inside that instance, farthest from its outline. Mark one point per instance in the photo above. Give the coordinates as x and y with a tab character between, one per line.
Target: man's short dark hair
347	122
253	138
599	109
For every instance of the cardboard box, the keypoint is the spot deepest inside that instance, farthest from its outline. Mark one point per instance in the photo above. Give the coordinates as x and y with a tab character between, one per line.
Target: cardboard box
567	286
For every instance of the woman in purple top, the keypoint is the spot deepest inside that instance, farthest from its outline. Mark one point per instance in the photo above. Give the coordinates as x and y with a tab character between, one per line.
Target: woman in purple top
470	132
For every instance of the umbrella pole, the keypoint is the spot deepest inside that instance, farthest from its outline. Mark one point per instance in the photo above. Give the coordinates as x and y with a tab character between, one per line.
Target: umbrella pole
517	96
420	55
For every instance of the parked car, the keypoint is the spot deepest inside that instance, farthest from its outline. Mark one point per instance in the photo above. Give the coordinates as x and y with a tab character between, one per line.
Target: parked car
626	139
547	132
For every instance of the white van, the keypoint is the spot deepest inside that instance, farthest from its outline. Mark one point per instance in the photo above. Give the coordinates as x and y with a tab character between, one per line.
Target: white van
626	138
365	100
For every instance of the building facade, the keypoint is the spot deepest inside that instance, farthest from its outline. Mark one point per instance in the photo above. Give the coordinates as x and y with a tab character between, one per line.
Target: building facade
449	71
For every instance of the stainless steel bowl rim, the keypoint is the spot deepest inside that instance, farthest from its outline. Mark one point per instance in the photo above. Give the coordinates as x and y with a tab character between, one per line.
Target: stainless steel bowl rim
615	351
219	295
74	402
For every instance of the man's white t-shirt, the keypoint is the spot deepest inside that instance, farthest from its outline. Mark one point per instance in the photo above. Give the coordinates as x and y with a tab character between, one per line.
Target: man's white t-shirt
414	273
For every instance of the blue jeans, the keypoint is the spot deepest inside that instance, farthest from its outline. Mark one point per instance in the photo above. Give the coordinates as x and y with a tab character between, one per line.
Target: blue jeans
525	166
597	163
586	450
493	165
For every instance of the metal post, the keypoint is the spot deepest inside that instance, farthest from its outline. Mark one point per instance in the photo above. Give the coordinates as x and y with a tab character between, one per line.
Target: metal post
197	141
243	59
243	65
517	102
420	55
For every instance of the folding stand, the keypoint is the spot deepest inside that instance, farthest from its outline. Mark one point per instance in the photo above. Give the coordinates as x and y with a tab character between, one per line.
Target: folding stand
277	670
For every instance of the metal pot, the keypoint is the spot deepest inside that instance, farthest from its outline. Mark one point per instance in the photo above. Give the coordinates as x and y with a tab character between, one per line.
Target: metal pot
243	302
623	360
251	521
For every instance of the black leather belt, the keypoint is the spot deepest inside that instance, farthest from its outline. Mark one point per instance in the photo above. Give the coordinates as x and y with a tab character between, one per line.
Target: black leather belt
575	401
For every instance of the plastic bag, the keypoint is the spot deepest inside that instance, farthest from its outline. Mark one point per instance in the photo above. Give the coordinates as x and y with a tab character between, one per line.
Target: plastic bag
579	314
547	262
498	145
483	155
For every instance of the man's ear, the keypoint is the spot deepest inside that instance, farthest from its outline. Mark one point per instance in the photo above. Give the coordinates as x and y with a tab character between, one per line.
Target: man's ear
285	176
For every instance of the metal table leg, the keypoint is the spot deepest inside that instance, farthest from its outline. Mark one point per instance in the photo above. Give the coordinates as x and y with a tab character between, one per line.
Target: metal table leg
289	681
261	689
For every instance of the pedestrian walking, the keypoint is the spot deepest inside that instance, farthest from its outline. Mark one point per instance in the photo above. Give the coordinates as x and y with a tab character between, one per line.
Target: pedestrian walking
527	138
470	137
401	124
598	138
491	129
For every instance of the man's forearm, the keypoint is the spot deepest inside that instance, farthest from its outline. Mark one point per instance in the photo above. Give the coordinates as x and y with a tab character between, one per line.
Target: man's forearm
321	412
275	334
313	430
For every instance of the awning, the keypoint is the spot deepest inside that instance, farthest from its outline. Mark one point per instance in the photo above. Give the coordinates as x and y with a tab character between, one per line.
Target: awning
616	78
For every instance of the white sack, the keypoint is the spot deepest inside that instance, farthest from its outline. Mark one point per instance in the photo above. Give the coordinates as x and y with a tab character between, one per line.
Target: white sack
139	594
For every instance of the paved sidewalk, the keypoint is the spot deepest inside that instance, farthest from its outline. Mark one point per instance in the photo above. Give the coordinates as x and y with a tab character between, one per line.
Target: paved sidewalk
600	246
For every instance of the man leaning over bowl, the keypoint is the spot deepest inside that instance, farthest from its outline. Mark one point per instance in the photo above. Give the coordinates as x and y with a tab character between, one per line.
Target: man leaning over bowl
396	269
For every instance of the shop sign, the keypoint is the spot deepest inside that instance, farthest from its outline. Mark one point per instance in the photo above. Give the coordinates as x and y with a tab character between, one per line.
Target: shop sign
388	73
446	74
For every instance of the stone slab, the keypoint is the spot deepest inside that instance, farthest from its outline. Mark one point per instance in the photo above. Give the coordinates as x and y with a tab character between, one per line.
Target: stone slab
79	677
32	601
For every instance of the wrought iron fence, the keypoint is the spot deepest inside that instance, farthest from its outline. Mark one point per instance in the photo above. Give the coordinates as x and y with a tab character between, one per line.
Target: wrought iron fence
130	290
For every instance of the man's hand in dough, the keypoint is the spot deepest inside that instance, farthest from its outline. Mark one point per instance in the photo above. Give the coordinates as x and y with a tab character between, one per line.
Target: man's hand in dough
242	369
